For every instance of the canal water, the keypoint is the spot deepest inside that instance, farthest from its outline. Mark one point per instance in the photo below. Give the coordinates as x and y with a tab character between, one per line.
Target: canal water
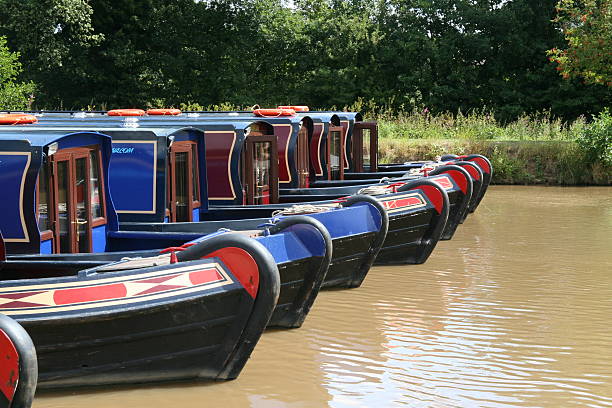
514	311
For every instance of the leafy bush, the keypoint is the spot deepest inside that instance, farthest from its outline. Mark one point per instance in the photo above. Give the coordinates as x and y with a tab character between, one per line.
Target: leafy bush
596	139
13	95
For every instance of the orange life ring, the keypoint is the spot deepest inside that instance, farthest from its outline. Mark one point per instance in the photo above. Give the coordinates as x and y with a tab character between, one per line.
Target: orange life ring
172	112
274	112
297	108
17	119
126	112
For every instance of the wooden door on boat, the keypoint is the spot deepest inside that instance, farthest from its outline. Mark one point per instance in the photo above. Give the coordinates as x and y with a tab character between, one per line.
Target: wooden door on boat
74	203
365	146
183	179
335	158
260	176
303	158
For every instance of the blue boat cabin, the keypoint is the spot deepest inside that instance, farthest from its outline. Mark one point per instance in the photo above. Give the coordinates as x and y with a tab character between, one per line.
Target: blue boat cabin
55	199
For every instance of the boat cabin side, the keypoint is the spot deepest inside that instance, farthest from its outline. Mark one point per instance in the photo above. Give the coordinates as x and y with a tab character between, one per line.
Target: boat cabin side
242	164
56	195
158	175
360	140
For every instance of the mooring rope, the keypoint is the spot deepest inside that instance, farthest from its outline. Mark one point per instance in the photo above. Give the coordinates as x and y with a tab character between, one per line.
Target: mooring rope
376	190
305	209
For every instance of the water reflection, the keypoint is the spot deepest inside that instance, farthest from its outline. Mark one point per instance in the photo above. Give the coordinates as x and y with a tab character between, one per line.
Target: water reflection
513	312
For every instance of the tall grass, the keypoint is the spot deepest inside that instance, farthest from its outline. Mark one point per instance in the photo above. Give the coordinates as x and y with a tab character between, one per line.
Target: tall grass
474	125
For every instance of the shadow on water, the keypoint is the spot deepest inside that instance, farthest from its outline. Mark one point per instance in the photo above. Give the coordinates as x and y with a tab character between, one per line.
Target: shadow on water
513	312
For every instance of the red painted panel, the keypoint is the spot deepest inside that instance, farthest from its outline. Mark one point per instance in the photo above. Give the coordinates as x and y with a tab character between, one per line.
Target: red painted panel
434	195
218	155
402	202
205	276
89	294
459	179
444	182
9	368
242	265
283	133
473	172
482	163
315	155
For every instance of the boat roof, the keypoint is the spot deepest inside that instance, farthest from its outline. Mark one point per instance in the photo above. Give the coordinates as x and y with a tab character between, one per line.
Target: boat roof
69	125
38	137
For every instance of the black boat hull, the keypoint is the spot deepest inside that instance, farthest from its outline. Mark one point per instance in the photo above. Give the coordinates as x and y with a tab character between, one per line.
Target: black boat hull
193	319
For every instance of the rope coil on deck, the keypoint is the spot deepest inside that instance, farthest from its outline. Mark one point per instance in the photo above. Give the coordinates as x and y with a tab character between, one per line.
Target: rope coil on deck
375	190
305	209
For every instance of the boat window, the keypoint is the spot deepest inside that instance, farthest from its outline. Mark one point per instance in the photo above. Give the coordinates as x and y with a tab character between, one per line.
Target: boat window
44	224
82	194
63	207
335	149
303	157
182	195
366	147
94	182
261	161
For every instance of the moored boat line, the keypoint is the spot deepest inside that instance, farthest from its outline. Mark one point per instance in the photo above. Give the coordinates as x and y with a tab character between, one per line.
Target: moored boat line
200	230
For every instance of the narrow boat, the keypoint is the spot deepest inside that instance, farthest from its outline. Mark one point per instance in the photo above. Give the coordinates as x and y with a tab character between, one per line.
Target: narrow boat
225	155
59	204
194	314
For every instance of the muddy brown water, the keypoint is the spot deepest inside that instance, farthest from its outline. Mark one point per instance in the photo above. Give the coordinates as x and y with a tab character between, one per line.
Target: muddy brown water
515	311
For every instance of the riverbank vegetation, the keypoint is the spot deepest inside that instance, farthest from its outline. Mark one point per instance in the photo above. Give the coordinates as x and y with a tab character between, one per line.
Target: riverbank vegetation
530	150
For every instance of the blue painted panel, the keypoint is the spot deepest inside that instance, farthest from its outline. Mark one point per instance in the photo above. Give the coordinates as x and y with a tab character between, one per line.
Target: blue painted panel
12	168
196	214
132	176
46	247
285	247
357	219
98	239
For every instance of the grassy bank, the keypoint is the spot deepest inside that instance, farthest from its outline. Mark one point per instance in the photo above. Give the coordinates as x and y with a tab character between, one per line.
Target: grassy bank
530	150
514	162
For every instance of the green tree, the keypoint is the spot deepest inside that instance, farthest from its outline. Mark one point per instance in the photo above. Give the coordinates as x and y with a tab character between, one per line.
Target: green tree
52	37
587	27
13	94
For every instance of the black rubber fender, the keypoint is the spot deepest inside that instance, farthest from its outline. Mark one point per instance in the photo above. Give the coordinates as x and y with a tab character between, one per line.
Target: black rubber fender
465	203
309	291
434	234
15	338
377	244
267	294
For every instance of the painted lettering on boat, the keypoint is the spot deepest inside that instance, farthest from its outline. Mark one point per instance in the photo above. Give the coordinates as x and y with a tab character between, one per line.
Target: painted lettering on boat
123	150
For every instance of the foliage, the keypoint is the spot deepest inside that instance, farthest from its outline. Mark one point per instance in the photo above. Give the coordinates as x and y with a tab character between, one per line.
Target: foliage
52	37
399	55
596	139
587	26
475	125
514	162
13	95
